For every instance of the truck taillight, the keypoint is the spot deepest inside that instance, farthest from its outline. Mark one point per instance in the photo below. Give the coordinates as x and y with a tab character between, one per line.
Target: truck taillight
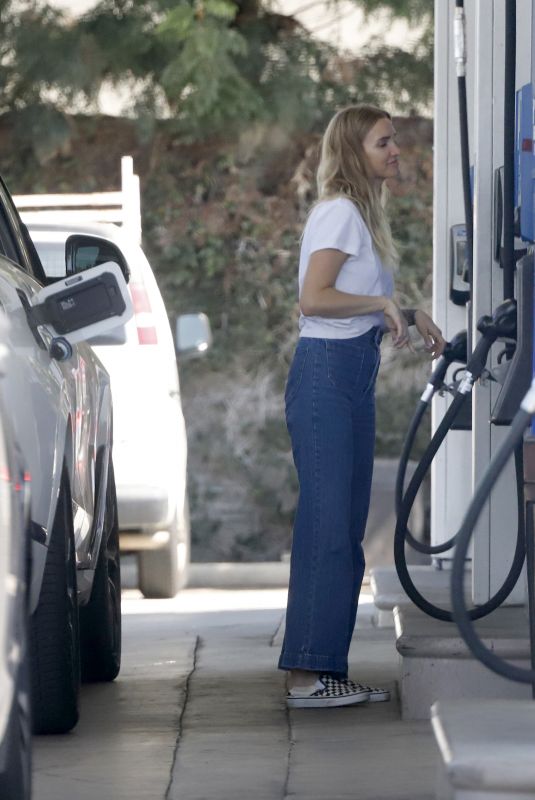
146	330
147	335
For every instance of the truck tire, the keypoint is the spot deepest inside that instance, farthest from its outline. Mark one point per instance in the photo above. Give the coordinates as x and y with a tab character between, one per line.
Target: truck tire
163	572
100	619
55	645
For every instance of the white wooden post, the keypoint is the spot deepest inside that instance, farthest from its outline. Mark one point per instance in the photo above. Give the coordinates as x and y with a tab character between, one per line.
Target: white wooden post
122	207
131	198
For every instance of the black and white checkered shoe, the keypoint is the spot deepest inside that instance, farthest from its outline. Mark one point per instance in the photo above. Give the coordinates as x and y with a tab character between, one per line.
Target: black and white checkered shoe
328	692
376	694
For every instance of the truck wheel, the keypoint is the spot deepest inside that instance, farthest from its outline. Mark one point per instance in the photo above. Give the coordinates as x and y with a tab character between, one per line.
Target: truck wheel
162	573
55	646
100	619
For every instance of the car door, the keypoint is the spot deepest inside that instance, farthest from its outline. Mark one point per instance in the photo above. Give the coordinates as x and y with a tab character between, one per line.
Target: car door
69	408
37	395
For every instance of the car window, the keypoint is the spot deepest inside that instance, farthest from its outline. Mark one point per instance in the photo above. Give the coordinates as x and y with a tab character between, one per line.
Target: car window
52	255
7	242
15	240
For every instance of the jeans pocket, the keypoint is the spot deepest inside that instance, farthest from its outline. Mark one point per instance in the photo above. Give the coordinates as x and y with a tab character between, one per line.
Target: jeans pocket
346	365
295	374
352	369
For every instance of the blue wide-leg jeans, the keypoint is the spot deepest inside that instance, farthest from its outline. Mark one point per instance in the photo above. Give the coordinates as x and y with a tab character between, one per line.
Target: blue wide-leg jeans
330	414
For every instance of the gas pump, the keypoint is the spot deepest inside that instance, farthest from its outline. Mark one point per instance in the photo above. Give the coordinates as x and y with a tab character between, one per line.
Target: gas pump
510	323
520	439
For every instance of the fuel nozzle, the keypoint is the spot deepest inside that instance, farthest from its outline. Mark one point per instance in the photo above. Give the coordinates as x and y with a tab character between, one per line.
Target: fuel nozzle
456	350
501	325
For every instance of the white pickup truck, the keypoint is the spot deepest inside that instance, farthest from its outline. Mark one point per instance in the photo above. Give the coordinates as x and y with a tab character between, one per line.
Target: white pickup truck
58	400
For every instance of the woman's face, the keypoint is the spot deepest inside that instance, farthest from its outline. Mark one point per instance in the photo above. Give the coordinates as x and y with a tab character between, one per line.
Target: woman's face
382	151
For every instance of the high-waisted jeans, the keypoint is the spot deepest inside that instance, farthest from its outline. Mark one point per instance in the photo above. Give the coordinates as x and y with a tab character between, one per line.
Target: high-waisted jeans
330	414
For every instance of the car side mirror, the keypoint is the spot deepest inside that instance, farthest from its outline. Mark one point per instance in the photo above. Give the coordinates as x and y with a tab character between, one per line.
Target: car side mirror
193	335
83	252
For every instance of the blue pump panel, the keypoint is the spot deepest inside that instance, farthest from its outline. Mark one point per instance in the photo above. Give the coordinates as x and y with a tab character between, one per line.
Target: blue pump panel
525	162
532	426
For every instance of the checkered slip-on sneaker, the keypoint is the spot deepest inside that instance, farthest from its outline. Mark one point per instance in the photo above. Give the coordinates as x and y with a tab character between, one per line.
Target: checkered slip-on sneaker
376	694
327	693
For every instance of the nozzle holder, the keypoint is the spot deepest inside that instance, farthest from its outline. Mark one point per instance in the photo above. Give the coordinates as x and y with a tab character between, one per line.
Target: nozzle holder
502	323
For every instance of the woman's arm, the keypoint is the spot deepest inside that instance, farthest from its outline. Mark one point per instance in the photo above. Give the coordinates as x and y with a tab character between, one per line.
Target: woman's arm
434	342
320	298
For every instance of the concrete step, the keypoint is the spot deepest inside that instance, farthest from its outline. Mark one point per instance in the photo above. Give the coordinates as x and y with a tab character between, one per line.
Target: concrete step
388	593
487	749
435	663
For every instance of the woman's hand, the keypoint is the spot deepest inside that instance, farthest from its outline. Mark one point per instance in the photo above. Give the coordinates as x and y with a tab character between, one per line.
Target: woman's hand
396	324
434	342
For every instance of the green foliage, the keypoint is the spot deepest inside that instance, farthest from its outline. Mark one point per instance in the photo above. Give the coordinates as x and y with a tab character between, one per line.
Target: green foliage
211	66
416	11
392	72
228	97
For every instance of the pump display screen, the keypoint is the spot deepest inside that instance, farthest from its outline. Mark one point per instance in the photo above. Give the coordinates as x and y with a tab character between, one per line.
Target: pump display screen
460	259
85	304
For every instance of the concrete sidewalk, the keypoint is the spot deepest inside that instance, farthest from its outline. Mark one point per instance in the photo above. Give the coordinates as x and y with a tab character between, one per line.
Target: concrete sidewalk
238	741
198	713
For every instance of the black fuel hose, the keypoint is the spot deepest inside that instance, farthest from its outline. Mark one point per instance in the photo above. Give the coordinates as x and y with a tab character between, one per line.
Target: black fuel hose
418	477
461	615
501	324
460	62
474	368
408	443
454	351
400	535
509	145
490	605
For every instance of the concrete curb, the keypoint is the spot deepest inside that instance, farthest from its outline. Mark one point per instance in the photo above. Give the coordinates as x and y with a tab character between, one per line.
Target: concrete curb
243	575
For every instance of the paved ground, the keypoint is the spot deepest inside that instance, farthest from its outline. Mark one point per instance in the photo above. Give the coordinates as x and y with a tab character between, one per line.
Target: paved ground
198	714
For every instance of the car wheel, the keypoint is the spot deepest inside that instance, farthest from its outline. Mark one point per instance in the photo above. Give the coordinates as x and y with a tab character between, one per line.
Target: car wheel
100	619
55	646
163	572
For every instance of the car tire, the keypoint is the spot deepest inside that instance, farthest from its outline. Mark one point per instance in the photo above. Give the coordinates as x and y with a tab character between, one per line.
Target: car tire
16	781
55	645
164	572
100	619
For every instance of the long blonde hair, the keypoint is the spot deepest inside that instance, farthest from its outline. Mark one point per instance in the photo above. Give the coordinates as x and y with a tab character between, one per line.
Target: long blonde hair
342	172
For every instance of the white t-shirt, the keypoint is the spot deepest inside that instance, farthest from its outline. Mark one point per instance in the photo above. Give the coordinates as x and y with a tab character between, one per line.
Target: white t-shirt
337	224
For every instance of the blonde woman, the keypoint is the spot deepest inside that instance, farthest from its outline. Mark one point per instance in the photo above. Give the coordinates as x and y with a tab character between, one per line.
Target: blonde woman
345	296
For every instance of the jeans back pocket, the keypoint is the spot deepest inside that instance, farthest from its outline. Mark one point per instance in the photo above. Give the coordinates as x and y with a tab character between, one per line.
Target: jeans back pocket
351	368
